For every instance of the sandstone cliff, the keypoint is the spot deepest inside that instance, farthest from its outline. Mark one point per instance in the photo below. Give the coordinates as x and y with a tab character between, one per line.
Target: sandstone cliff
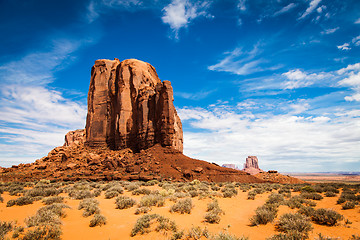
252	165
129	107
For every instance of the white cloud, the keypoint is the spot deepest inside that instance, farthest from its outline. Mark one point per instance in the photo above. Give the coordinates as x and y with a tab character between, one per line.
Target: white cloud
222	134
345	46
179	13
330	30
285	9
356	41
243	62
353	80
32	113
310	9
241	5
357	21
349	68
194	96
299	79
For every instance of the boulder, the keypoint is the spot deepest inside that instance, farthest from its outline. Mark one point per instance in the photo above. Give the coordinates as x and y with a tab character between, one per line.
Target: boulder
129	107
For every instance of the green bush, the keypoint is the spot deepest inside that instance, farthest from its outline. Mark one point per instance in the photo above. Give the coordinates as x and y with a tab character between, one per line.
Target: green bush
228	236
142	210
142	225
152	200
349	205
42	192
326	216
197	233
5	227
182	206
96	192
330	194
264	214
20	201
44	232
290	222
123	202
48	215
143	191
80	194
229	191
213	212
97	220
53	199
311	195
275	198
90	206
111	194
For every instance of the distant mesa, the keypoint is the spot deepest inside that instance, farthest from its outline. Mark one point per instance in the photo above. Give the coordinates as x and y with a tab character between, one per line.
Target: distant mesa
252	165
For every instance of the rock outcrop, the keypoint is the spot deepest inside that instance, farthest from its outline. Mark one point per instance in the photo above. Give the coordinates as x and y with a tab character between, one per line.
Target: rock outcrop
252	165
76	137
229	165
129	107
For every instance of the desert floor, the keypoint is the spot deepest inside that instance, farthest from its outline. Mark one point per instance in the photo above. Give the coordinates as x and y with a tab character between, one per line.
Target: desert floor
238	210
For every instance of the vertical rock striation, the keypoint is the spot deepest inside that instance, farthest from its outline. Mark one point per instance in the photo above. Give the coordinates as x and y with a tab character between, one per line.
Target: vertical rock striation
252	165
129	107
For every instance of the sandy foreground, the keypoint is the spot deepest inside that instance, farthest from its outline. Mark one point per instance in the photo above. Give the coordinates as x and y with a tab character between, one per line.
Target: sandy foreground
237	210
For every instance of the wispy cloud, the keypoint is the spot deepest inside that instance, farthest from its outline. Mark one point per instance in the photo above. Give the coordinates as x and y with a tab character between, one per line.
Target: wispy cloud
299	79
330	31
357	21
194	96
32	113
280	141
285	9
312	6
179	13
345	46
352	80
241	5
242	62
356	41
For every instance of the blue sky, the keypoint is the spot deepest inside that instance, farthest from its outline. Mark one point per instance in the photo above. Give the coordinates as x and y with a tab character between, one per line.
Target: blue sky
276	79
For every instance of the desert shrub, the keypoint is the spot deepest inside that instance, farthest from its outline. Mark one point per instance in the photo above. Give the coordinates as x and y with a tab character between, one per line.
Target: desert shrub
5	227
182	206
177	235
215	188
90	206
15	189
53	199
165	224
294	235
252	193
193	193
294	223
298	201
48	215
213	212
123	202
330	194
349	205
42	191
197	233
1	198
143	224
111	194
144	191
229	192
275	198
326	216
97	220
264	214
354	237
44	232
142	210
228	236
151	183
131	186
311	195
20	201
307	189
347	196
96	192
80	194
152	200
286	192
17	231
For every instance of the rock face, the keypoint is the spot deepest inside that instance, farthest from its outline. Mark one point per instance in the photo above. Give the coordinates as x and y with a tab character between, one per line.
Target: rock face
129	107
228	165
76	137
252	165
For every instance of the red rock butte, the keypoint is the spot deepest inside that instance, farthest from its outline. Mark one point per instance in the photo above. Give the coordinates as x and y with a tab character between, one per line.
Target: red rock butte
129	107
